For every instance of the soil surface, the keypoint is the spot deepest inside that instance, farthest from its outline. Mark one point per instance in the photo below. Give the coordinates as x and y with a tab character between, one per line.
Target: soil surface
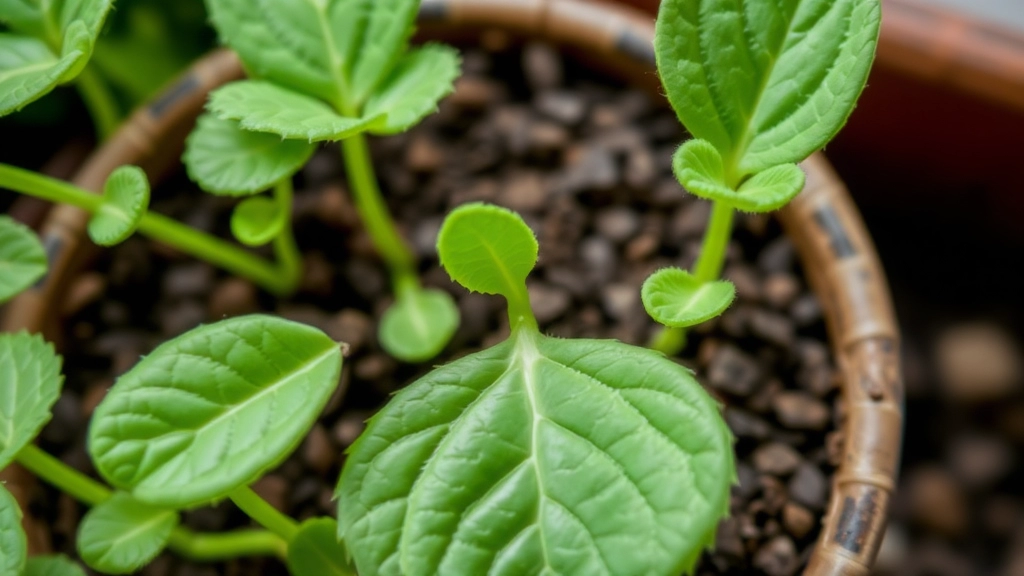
587	163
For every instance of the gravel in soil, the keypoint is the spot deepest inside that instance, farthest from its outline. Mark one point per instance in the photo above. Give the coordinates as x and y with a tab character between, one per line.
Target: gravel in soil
588	164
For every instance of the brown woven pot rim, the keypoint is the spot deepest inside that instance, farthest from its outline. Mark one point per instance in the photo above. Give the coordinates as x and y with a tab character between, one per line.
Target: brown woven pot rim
831	239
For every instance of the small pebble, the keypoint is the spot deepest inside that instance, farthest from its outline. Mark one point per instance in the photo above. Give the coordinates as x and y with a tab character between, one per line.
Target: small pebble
801	411
777	459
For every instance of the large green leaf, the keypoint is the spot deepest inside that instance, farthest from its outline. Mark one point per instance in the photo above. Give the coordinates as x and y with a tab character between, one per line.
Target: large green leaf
30	373
121	535
13	545
224	159
421	78
29	70
52	566
213	409
265	107
125	202
419	325
675	298
540	456
24	16
22	258
47	20
767	83
316	551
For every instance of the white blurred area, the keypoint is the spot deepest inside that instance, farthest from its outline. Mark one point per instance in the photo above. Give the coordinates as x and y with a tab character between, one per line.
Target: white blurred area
1003	12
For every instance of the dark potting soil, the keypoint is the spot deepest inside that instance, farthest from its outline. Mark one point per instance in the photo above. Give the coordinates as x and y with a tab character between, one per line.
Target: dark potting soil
588	166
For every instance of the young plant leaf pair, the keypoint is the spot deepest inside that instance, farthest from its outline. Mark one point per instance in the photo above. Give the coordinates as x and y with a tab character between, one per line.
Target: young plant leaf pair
761	86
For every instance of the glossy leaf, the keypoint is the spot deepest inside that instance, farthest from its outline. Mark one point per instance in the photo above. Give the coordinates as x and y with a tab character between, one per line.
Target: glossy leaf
257	221
265	107
316	551
13	545
487	248
419	325
29	70
213	409
121	535
22	258
766	83
30	373
125	201
675	298
698	166
226	160
52	566
539	456
420	80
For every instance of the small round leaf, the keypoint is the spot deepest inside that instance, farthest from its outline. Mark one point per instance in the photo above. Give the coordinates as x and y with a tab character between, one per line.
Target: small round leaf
13	545
31	382
22	258
316	551
257	221
121	535
52	566
487	249
125	200
675	298
419	325
213	409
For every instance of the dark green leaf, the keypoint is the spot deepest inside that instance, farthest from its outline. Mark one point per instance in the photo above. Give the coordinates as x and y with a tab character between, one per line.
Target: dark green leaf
257	221
52	566
30	373
22	258
316	551
125	201
13	545
121	535
675	298
419	325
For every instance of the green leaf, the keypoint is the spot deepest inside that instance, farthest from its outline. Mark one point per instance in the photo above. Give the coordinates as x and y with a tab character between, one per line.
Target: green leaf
24	16
121	535
213	409
30	373
22	258
419	81
48	20
316	551
487	248
29	70
52	566
125	201
698	166
540	456
675	298
13	545
335	50
265	107
257	221
419	325
766	83
226	160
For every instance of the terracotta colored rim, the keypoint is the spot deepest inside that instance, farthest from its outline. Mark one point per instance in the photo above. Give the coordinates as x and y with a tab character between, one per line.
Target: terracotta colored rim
823	223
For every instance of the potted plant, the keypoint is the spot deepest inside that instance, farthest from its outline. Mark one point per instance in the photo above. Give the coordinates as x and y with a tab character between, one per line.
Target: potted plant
187	397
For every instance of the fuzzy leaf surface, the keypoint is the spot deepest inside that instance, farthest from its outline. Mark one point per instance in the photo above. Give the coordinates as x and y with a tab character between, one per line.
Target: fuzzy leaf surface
213	409
539	456
30	373
766	83
57	565
226	160
675	298
121	535
22	258
316	551
257	221
487	248
13	544
265	107
419	325
420	80
125	201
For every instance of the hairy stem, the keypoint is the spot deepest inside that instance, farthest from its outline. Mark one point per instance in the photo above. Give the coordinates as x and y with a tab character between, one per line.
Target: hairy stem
105	113
263	513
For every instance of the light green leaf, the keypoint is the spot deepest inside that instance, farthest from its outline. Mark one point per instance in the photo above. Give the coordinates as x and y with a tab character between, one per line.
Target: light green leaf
92	13
121	535
29	70
675	298
316	551
24	16
265	107
419	325
13	545
257	221
30	373
22	258
422	77
125	201
766	83
48	20
698	166
539	456
224	159
487	248
213	409
52	566
381	41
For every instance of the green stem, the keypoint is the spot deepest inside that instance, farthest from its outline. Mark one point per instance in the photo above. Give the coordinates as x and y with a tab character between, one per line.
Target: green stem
214	547
67	479
374	211
161	228
262	512
287	252
103	109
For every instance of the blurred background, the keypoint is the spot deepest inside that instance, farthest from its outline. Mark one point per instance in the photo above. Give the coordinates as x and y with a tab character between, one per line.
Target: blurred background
934	156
